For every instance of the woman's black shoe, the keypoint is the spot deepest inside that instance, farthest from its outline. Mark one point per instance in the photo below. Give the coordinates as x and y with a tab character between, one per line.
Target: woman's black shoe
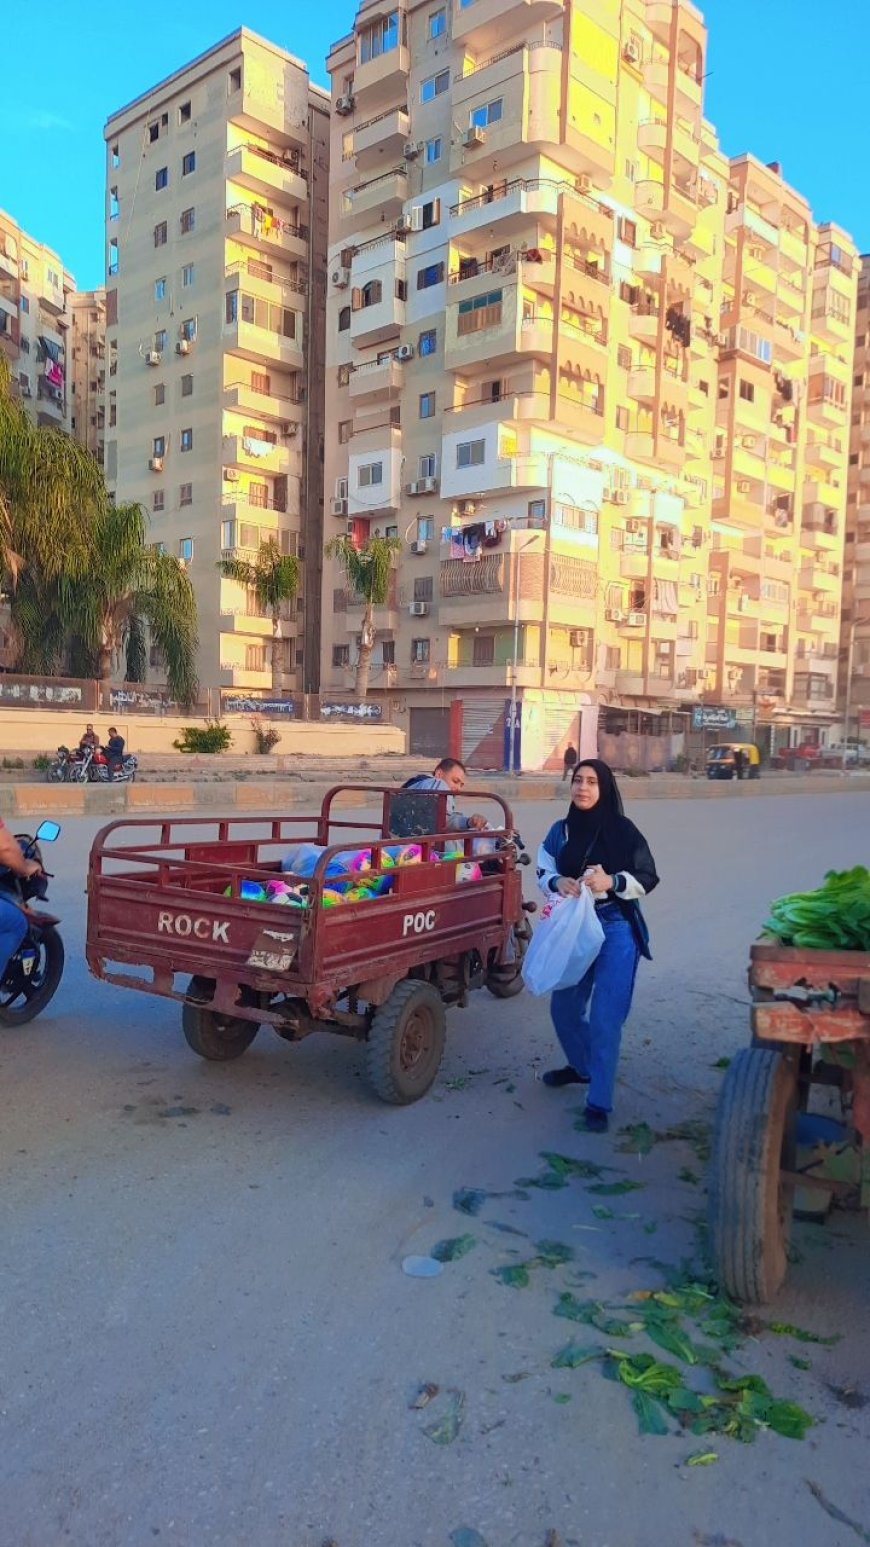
566	1076
595	1119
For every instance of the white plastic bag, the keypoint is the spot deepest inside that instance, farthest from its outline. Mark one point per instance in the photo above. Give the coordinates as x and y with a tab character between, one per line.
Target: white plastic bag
564	945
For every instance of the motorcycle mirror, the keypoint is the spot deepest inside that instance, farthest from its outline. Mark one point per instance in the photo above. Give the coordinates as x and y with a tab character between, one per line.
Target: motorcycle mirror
46	832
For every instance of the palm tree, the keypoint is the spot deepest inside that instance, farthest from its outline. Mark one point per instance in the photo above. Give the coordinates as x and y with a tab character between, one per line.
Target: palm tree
131	585
274	579
367	571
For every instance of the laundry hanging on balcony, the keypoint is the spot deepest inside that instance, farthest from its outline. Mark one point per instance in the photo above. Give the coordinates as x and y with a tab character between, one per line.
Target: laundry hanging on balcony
664	597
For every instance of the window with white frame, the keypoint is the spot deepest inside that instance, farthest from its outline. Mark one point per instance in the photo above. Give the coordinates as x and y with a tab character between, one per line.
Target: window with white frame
434	86
437	23
471	453
429	465
187	275
488	113
369	474
425	528
381	38
185	549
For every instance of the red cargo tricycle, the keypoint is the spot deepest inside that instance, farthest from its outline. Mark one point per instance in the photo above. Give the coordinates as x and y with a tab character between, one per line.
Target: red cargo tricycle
169	915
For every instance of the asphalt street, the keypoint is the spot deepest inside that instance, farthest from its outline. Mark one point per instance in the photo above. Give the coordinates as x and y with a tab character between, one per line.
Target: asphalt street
207	1338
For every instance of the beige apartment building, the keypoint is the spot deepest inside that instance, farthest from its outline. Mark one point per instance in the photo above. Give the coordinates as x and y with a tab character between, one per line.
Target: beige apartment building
855	642
35	292
556	314
216	257
87	361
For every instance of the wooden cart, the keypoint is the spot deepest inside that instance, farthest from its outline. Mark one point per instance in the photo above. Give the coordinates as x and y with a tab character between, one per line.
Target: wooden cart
810	1026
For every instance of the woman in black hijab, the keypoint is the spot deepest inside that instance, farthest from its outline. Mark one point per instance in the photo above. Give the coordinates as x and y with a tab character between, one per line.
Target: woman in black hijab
596	846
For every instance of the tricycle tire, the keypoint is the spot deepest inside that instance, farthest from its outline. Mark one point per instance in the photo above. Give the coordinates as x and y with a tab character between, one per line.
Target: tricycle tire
750	1209
215	1036
406	1043
507	989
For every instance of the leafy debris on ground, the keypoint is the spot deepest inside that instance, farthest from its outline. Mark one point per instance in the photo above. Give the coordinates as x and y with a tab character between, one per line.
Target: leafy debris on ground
443	1431
638	1139
568	1165
686	1174
469	1200
466	1536
615	1189
702	1458
514	1275
785	1329
574	1354
452	1249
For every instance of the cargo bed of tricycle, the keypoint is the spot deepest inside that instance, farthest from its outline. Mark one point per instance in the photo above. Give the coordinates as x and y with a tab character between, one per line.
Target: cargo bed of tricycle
168	914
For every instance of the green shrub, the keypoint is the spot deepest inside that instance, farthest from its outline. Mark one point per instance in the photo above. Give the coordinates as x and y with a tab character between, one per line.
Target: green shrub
211	737
13	762
42	761
265	736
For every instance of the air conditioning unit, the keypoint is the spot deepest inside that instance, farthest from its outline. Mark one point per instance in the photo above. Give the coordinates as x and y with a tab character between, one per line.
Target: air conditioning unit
750	297
474	137
155	464
657	231
631	52
403	225
636	619
748	441
183	346
420	547
153	357
344	105
426	486
405	352
338	507
291	430
467	507
619	496
635	526
340	278
232	474
577	638
743	486
615	615
411	150
419	609
583	183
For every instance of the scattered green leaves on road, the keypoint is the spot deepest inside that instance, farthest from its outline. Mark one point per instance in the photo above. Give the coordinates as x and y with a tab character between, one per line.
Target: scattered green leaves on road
615	1189
443	1430
452	1249
574	1354
513	1276
785	1329
702	1458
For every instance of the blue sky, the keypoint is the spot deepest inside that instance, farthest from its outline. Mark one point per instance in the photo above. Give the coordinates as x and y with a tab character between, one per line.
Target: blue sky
782	83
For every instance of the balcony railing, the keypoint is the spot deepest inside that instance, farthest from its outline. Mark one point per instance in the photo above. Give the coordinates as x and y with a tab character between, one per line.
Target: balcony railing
264	271
474	67
529	185
256	501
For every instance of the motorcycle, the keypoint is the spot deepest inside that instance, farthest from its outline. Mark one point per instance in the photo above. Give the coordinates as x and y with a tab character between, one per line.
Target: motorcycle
58	772
92	767
33	973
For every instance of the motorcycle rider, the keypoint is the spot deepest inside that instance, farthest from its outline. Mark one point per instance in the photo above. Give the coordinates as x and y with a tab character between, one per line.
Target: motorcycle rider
13	924
114	750
89	739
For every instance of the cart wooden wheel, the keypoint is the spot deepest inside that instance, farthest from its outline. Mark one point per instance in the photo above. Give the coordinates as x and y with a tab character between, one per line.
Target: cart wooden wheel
750	1204
216	1036
406	1043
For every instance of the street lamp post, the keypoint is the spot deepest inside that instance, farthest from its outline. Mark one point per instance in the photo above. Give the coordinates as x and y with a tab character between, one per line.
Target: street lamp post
512	725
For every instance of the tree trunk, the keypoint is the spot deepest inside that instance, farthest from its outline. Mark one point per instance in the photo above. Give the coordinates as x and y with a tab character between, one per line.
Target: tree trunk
277	658
364	660
104	663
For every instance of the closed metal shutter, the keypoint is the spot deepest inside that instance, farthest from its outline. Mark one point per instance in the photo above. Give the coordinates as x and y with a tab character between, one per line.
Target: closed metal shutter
483	732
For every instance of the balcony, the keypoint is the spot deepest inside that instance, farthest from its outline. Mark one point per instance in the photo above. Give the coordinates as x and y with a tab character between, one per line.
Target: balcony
260	279
234	675
487	23
464	674
640	446
509	337
506	207
255	455
474	594
634	563
383	196
825	451
631	683
253	226
262	346
649	198
266	405
8	259
373	379
384	135
380	320
642	384
384	77
256	626
820	577
51	296
527	78
267	172
830	322
643	324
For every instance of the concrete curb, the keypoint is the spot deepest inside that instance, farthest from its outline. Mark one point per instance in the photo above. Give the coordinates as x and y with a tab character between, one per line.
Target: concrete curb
279	795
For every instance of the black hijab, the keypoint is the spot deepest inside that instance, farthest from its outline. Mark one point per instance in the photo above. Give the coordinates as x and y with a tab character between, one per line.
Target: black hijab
601	836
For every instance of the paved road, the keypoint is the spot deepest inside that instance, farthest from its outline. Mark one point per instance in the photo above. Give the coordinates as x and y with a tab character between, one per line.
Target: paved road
206	1337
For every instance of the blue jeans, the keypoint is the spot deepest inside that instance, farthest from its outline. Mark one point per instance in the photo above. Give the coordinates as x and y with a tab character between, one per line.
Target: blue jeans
590	1034
13	928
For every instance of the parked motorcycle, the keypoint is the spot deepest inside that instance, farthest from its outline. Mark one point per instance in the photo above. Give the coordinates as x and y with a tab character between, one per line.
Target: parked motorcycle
33	973
92	767
58	772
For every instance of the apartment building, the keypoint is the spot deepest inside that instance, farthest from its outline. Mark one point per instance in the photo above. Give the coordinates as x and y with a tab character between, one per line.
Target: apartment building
34	321
855	641
87	368
216	231
536	246
780	459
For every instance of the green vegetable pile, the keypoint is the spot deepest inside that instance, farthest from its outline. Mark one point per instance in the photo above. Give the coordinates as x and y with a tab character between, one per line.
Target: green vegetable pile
836	917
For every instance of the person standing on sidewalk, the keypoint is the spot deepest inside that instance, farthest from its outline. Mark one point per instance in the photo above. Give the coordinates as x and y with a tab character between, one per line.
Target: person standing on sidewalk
569	761
596	846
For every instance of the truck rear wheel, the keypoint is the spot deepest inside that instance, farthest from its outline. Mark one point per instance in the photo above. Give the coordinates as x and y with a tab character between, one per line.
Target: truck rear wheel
406	1043
750	1204
216	1036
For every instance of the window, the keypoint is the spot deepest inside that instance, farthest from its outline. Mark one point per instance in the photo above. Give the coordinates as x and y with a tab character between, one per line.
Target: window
483	312
160	234
114	204
435	86
623	357
158	446
255	658
626	231
428	465
483	650
372	293
234	80
188	163
432	274
423	588
369	474
160	289
420	650
184	113
537	510
381	38
261	382
437	23
489	113
388	652
345	430
187	386
431	214
344	319
160	340
341	655
157	500
113	414
470	453
159	394
427	405
161	178
623	419
185	494
113	256
427	343
434	149
25	303
188	220
116	155
187	331
425	527
153	133
747	391
187	440
188	274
